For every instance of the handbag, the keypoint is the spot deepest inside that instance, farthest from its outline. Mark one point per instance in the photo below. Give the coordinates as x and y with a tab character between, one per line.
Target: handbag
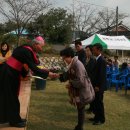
87	93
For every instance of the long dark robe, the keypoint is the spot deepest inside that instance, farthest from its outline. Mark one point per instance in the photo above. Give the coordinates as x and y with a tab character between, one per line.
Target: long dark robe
9	85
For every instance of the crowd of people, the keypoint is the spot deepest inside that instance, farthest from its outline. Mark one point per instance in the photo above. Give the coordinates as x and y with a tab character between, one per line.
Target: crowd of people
113	62
115	65
95	65
88	63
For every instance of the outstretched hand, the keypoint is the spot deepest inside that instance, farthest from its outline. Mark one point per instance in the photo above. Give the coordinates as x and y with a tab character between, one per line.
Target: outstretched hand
53	75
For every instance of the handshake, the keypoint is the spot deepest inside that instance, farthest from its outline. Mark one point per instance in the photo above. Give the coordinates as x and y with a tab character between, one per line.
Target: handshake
53	75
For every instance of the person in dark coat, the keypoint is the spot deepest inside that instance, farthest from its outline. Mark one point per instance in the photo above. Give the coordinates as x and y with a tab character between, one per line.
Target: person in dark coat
99	84
80	52
10	73
90	65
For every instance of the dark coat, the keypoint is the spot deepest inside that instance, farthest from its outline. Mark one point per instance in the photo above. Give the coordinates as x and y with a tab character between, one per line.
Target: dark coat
90	65
81	56
9	84
100	74
79	81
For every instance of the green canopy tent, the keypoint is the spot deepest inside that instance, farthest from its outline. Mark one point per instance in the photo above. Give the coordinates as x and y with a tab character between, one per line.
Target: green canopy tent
108	42
92	40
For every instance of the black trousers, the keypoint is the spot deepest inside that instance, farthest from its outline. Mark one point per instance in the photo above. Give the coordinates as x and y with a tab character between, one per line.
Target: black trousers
91	107
99	107
81	116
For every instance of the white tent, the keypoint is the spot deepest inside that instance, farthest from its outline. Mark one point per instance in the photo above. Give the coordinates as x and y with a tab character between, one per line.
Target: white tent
108	42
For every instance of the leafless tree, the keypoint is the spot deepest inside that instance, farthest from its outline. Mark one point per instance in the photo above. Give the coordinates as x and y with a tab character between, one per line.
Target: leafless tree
22	11
108	19
84	17
90	18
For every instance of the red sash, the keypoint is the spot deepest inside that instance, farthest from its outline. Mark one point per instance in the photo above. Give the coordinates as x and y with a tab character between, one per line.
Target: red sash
34	54
17	65
14	63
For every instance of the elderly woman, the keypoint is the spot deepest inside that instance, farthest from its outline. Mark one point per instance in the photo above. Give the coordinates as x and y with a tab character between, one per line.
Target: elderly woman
79	87
10	73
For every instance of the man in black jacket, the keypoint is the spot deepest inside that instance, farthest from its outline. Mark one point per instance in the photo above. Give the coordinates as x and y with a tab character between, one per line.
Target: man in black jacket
99	84
80	52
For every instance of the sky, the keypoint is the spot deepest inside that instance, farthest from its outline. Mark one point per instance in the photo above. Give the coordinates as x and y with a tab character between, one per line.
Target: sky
123	5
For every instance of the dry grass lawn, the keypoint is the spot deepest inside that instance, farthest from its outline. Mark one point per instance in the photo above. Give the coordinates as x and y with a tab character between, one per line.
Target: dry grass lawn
50	110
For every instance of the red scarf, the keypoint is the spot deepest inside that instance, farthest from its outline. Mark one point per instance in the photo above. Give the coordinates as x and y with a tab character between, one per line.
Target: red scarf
34	54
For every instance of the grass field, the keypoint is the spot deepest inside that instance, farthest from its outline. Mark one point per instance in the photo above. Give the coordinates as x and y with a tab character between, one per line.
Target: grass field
50	110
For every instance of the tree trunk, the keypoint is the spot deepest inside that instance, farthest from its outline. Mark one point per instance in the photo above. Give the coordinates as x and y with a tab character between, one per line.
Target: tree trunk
18	40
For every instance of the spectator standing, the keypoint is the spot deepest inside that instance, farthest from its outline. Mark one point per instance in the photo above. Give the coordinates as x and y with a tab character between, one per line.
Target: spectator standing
116	62
90	65
99	85
5	52
80	52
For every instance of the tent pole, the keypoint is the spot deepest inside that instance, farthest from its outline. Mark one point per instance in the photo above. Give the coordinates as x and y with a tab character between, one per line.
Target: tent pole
117	52
122	55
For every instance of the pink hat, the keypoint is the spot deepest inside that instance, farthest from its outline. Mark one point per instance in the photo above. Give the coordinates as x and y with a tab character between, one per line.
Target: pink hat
39	40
